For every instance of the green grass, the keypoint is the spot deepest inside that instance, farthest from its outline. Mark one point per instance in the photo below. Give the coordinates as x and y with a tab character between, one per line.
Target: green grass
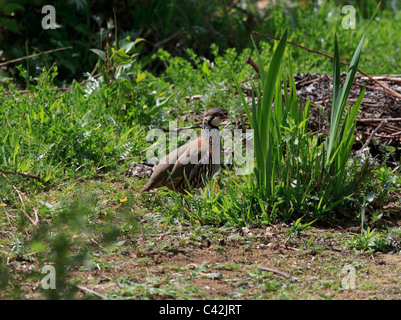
314	26
287	156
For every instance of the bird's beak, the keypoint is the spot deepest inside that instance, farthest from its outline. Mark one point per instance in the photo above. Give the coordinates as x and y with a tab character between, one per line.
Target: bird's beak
223	116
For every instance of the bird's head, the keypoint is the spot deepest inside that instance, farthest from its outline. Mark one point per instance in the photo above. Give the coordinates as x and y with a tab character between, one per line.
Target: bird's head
214	117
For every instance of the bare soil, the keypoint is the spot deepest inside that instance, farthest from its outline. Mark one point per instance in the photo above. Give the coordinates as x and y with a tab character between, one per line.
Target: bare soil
247	264
381	104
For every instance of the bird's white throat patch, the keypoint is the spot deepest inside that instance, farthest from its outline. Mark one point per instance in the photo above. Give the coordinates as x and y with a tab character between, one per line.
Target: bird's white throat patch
216	122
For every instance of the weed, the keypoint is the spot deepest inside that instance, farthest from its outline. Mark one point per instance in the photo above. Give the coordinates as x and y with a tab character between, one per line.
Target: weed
367	240
297	227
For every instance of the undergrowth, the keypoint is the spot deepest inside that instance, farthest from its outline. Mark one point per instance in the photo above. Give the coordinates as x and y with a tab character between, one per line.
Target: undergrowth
64	150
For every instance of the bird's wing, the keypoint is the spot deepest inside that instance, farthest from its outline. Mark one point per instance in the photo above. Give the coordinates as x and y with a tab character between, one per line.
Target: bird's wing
190	165
160	176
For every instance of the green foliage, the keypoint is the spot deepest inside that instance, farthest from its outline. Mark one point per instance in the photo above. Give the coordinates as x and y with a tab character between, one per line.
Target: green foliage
67	136
243	206
342	124
297	227
287	158
205	209
173	25
69	239
199	76
47	131
295	174
371	240
326	19
290	164
177	25
139	96
366	241
4	275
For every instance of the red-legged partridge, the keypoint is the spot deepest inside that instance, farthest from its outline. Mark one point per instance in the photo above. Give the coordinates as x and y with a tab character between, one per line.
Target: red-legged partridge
193	162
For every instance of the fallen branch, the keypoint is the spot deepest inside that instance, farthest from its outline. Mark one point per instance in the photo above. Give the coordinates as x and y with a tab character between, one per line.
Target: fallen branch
387	136
378	119
186	128
368	139
34	55
396	133
25	175
169	38
384	78
254	65
386	128
92	292
290	278
244	89
302	84
372	88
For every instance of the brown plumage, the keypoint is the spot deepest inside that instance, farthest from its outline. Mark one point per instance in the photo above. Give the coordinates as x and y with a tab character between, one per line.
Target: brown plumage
193	162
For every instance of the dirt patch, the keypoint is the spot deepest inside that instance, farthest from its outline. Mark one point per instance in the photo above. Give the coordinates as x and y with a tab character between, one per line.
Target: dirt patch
251	266
381	104
205	262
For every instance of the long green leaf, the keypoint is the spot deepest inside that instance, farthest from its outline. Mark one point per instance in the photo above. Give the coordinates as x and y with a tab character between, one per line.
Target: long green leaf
268	91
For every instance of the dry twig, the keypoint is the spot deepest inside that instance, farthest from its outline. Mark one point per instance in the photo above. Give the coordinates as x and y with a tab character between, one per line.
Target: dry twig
91	292
370	138
378	119
290	278
34	55
254	65
25	175
33	221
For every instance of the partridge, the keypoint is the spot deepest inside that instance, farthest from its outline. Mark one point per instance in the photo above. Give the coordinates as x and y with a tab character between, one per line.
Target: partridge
190	165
